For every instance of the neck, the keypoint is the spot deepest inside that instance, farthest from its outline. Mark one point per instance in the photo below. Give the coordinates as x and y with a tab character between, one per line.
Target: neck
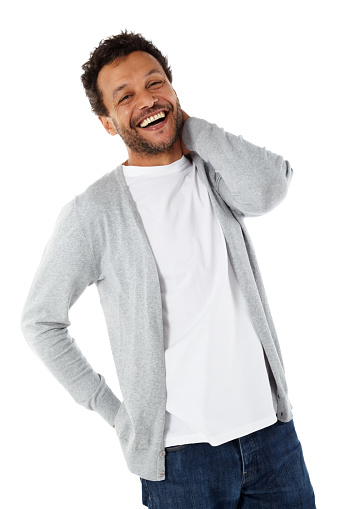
161	159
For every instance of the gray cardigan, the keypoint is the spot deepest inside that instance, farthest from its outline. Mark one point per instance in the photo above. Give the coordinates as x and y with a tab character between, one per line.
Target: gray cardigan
99	238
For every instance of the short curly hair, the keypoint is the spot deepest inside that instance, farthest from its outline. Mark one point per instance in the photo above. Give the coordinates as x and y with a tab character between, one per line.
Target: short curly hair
115	47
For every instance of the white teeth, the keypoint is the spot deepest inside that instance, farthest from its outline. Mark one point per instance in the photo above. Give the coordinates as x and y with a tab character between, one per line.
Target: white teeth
147	121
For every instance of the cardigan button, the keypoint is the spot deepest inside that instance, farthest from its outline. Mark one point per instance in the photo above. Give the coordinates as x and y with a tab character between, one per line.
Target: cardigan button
161	473
162	454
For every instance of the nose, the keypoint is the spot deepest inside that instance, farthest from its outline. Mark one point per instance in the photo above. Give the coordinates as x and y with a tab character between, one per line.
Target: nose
146	100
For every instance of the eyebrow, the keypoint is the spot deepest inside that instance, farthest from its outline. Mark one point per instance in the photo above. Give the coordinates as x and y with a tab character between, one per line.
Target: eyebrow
124	85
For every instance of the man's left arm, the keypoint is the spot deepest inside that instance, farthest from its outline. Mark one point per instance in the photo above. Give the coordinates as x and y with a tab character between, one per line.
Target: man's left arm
252	180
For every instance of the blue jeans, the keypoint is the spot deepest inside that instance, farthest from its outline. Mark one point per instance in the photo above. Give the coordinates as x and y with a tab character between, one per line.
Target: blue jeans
262	470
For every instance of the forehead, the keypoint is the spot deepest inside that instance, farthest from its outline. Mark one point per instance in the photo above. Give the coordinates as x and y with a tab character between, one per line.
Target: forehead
134	66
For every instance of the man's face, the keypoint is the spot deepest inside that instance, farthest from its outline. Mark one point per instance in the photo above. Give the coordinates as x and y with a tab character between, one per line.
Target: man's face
135	89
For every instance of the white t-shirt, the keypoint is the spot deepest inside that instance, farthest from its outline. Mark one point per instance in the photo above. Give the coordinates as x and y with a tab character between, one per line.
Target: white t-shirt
216	378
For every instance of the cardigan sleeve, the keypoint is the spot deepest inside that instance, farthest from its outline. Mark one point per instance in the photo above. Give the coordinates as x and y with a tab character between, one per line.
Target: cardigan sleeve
250	179
66	269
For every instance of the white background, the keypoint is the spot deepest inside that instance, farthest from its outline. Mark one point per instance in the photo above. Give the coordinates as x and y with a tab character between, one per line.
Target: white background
263	69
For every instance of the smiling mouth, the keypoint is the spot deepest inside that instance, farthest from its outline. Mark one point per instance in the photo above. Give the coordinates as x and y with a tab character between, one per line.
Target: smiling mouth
153	119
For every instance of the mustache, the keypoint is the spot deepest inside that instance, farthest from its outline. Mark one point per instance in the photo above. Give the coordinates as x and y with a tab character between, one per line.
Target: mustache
150	112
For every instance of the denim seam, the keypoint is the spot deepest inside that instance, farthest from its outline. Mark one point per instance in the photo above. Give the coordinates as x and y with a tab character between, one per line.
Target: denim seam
148	491
254	460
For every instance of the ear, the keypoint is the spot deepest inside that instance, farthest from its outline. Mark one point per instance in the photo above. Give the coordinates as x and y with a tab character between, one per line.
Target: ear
108	125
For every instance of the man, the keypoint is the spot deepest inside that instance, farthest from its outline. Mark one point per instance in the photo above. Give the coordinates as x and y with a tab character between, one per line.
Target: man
205	419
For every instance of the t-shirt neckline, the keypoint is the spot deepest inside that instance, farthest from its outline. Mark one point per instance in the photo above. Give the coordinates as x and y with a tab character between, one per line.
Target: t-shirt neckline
157	171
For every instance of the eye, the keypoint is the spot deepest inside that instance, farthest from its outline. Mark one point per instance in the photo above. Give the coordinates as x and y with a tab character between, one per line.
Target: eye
154	83
124	98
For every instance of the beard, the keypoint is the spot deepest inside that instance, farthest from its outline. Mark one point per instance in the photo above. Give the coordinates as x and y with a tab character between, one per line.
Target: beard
134	140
